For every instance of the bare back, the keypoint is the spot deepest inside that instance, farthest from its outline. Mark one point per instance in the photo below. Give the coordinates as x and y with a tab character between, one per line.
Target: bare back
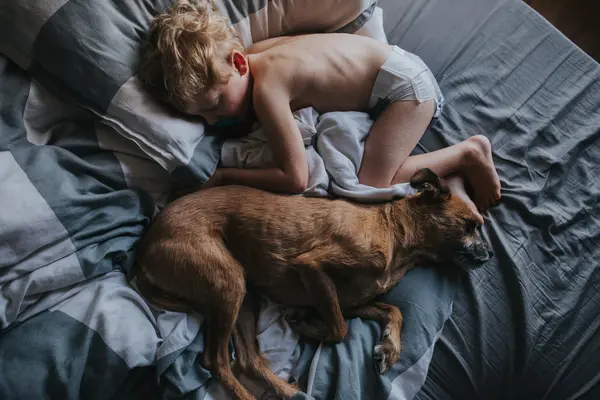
329	72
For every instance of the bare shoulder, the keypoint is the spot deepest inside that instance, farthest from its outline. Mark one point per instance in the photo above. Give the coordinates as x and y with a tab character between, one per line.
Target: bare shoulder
318	41
270	85
268	44
271	82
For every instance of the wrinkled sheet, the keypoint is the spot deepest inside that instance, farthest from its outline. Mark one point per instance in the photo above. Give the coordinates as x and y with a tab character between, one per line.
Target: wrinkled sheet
527	326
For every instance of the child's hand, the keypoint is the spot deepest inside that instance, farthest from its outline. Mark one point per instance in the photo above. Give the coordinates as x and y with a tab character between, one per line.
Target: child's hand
215	180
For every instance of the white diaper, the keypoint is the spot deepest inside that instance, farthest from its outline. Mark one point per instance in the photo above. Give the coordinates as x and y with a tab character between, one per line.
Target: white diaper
404	76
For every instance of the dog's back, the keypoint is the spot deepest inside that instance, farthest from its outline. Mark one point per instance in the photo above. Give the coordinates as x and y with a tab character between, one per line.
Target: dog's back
265	232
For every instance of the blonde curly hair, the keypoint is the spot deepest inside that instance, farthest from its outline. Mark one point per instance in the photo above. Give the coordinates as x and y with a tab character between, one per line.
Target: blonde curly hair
186	53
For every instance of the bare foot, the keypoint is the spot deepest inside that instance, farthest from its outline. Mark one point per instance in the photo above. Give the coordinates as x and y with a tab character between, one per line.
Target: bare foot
456	184
481	172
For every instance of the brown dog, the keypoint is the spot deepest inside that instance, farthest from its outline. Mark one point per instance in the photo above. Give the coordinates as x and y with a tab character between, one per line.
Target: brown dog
332	256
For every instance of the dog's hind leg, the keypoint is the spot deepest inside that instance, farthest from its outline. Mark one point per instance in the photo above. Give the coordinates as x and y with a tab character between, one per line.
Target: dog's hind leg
215	281
387	352
321	288
203	272
250	360
220	326
221	323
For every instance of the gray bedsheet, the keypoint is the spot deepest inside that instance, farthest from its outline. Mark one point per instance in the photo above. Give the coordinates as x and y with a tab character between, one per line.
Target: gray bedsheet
527	325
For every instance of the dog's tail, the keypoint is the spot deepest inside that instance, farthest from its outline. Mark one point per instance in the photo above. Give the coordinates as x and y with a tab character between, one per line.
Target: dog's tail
158	296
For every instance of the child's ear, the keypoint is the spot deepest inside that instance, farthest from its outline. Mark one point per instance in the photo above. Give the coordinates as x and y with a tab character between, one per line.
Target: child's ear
239	62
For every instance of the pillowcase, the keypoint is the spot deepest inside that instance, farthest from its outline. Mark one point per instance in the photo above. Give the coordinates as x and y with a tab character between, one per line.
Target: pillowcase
88	52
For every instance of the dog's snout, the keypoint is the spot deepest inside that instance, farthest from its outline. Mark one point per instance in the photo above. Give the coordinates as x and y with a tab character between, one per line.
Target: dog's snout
474	254
480	251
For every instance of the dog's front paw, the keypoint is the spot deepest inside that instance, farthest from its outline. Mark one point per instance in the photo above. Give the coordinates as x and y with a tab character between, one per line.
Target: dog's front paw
386	353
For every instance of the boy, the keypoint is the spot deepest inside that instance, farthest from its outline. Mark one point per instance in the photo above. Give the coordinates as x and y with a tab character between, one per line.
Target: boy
196	63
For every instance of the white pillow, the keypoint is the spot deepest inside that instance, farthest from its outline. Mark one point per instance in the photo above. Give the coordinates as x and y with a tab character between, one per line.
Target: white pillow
255	21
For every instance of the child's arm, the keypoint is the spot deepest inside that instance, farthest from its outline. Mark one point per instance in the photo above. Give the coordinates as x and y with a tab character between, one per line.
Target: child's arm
272	107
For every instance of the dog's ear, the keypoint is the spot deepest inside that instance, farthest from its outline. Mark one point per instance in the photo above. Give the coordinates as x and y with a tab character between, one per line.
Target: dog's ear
424	176
429	185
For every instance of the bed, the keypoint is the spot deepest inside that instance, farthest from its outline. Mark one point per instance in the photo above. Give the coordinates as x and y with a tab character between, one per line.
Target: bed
85	166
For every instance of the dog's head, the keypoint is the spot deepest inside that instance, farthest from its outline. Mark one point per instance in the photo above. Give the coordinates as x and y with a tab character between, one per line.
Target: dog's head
447	228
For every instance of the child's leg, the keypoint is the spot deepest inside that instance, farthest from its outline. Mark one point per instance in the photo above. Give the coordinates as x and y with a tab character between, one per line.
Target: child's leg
395	134
392	138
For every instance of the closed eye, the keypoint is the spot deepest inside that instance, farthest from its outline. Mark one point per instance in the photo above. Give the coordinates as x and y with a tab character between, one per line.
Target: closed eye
211	108
215	104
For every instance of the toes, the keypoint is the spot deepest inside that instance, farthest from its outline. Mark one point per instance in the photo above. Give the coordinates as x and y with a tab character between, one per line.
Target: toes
480	203
478	215
486	203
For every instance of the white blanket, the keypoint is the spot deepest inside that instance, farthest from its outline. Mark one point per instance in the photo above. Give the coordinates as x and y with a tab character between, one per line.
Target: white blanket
334	145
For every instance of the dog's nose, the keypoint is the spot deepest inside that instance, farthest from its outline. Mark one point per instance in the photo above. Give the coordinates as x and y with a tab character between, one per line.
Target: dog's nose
481	253
474	255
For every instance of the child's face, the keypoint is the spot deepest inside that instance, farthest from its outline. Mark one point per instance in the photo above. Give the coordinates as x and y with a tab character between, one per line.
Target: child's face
229	101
